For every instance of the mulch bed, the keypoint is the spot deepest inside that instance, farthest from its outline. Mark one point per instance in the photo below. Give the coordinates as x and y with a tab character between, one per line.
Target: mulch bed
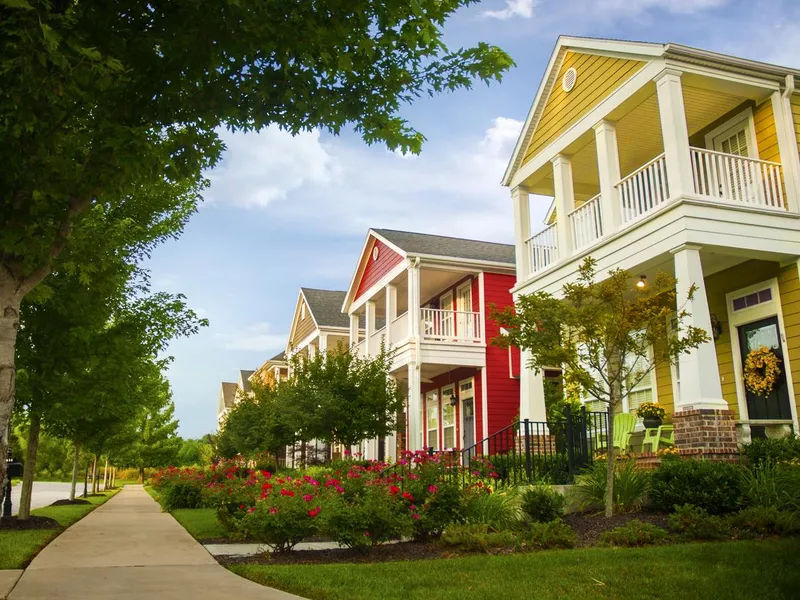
68	502
386	553
14	524
590	526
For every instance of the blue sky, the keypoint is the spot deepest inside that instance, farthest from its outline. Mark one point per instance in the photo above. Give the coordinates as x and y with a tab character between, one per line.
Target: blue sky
286	212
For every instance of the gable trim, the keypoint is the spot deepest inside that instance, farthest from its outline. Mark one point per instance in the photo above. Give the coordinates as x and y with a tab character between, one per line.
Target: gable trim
363	261
296	318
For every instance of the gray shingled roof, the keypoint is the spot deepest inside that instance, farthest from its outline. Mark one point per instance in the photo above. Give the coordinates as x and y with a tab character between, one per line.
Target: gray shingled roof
439	245
229	393
279	357
245	376
326	306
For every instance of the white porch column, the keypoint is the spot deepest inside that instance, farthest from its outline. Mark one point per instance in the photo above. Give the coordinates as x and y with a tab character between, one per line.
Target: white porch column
414	408
605	134
354	327
700	384
369	327
391	312
312	350
787	146
674	132
414	301
531	387
522	230
323	342
565	202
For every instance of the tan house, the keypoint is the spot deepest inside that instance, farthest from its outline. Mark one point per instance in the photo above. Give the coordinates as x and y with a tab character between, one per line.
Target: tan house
319	323
661	157
227	400
273	371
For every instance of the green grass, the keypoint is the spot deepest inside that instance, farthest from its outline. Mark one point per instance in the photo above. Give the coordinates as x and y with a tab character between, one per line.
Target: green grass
201	523
17	548
727	570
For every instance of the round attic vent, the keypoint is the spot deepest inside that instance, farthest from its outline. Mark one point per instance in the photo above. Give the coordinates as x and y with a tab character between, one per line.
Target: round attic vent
375	253
569	79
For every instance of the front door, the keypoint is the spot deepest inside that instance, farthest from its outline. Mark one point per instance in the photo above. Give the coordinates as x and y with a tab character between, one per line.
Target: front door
468	410
753	336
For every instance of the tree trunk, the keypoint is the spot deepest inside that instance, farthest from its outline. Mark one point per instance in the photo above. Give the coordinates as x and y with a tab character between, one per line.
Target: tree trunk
610	463
30	467
86	483
10	299
105	475
75	466
95	488
141	475
114	477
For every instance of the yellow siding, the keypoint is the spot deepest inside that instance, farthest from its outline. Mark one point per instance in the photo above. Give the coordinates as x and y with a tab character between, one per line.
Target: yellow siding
304	327
598	77
789	287
795	100
717	286
766	135
664	388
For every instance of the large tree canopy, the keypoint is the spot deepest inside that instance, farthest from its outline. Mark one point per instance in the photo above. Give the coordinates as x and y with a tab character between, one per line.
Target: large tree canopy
109	102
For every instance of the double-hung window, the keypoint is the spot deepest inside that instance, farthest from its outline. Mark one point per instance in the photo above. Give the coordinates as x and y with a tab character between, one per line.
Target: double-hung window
432	419
448	419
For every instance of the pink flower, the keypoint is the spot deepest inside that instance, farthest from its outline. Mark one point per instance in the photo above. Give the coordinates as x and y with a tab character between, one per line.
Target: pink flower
366	533
273	510
251	509
433	489
408	496
314	512
412	508
241	506
285	492
393	489
415	516
308	497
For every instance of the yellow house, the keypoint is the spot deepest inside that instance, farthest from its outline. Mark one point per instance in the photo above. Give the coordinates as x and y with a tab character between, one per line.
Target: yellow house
661	157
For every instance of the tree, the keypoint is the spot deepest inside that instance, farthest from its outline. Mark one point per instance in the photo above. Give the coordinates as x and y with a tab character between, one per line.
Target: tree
194	452
607	335
109	103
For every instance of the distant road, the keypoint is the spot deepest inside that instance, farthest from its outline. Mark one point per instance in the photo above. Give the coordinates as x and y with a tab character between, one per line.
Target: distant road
44	493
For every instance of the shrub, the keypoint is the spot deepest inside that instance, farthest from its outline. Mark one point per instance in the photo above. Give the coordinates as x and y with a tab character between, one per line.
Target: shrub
440	505
630	486
181	494
634	533
763	450
771	485
372	519
712	486
476	537
499	511
694	523
766	520
543	504
545	536
280	521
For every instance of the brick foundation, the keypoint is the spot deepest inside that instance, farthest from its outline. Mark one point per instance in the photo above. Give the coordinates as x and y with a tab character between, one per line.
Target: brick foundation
539	444
648	461
707	433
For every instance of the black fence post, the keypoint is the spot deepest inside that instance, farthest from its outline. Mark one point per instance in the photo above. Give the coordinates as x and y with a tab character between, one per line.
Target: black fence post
570	442
527	450
586	449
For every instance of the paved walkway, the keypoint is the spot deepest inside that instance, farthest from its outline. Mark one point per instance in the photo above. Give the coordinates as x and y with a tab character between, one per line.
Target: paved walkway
44	493
127	549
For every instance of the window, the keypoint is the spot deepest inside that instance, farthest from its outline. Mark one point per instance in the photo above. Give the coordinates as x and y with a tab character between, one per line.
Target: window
432	419
639	386
753	299
448	418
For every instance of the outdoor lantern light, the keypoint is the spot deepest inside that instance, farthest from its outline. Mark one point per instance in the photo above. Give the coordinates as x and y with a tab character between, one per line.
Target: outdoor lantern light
453	399
642	281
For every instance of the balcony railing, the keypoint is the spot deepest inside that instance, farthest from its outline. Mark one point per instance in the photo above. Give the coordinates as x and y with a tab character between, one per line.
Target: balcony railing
586	223
737	178
450	325
643	190
542	248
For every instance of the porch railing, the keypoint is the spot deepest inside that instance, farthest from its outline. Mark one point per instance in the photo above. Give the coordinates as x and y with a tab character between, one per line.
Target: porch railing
643	190
450	325
542	248
737	178
586	223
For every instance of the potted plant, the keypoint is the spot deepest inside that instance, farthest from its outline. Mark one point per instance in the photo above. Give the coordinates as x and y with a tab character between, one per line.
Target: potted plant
652	414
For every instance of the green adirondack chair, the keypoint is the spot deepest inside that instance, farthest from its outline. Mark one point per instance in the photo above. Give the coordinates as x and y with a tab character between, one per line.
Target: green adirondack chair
665	434
623	429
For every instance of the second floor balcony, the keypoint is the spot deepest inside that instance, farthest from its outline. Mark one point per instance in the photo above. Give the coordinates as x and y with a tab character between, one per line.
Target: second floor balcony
680	139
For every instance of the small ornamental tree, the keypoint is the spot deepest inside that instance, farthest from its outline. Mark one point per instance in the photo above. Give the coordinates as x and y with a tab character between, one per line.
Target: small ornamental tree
607	335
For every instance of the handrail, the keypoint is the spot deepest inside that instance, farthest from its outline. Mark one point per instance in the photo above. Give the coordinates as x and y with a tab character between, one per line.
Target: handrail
642	168
541	231
739	156
583	205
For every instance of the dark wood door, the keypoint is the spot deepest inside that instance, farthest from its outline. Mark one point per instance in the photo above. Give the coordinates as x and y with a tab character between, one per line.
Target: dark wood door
776	404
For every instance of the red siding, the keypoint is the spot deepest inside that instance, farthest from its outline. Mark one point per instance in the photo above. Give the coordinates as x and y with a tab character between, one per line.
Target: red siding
502	389
376	269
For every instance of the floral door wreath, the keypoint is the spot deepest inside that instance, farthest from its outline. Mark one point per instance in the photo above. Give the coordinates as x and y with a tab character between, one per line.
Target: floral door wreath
762	367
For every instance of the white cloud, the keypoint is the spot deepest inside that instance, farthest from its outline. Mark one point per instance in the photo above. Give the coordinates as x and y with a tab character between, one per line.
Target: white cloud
452	188
258	337
514	8
639	6
260	169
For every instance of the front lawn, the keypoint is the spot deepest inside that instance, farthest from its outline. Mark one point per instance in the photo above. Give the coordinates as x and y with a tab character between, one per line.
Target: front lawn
201	523
725	570
17	548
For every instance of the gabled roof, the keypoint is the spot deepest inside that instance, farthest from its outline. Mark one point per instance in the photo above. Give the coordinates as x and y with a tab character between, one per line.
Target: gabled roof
416	244
644	51
281	357
244	376
326	307
227	395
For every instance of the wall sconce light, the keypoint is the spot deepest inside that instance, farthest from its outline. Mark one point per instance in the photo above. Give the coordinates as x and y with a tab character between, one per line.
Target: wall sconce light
453	399
642	283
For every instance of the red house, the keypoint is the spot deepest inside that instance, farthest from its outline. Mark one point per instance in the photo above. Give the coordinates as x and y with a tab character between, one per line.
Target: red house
431	296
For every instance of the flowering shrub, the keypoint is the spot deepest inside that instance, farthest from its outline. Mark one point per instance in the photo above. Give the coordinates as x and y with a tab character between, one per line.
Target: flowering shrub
179	488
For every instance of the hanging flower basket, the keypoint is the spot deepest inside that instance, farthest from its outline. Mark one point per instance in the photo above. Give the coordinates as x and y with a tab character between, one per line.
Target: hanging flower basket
762	367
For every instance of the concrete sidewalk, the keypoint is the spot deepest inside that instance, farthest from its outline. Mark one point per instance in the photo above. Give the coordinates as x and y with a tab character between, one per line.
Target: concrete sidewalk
128	548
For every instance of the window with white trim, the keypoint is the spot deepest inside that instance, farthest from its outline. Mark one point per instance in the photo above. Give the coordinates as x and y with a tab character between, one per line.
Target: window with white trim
752	299
432	419
639	386
448	418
